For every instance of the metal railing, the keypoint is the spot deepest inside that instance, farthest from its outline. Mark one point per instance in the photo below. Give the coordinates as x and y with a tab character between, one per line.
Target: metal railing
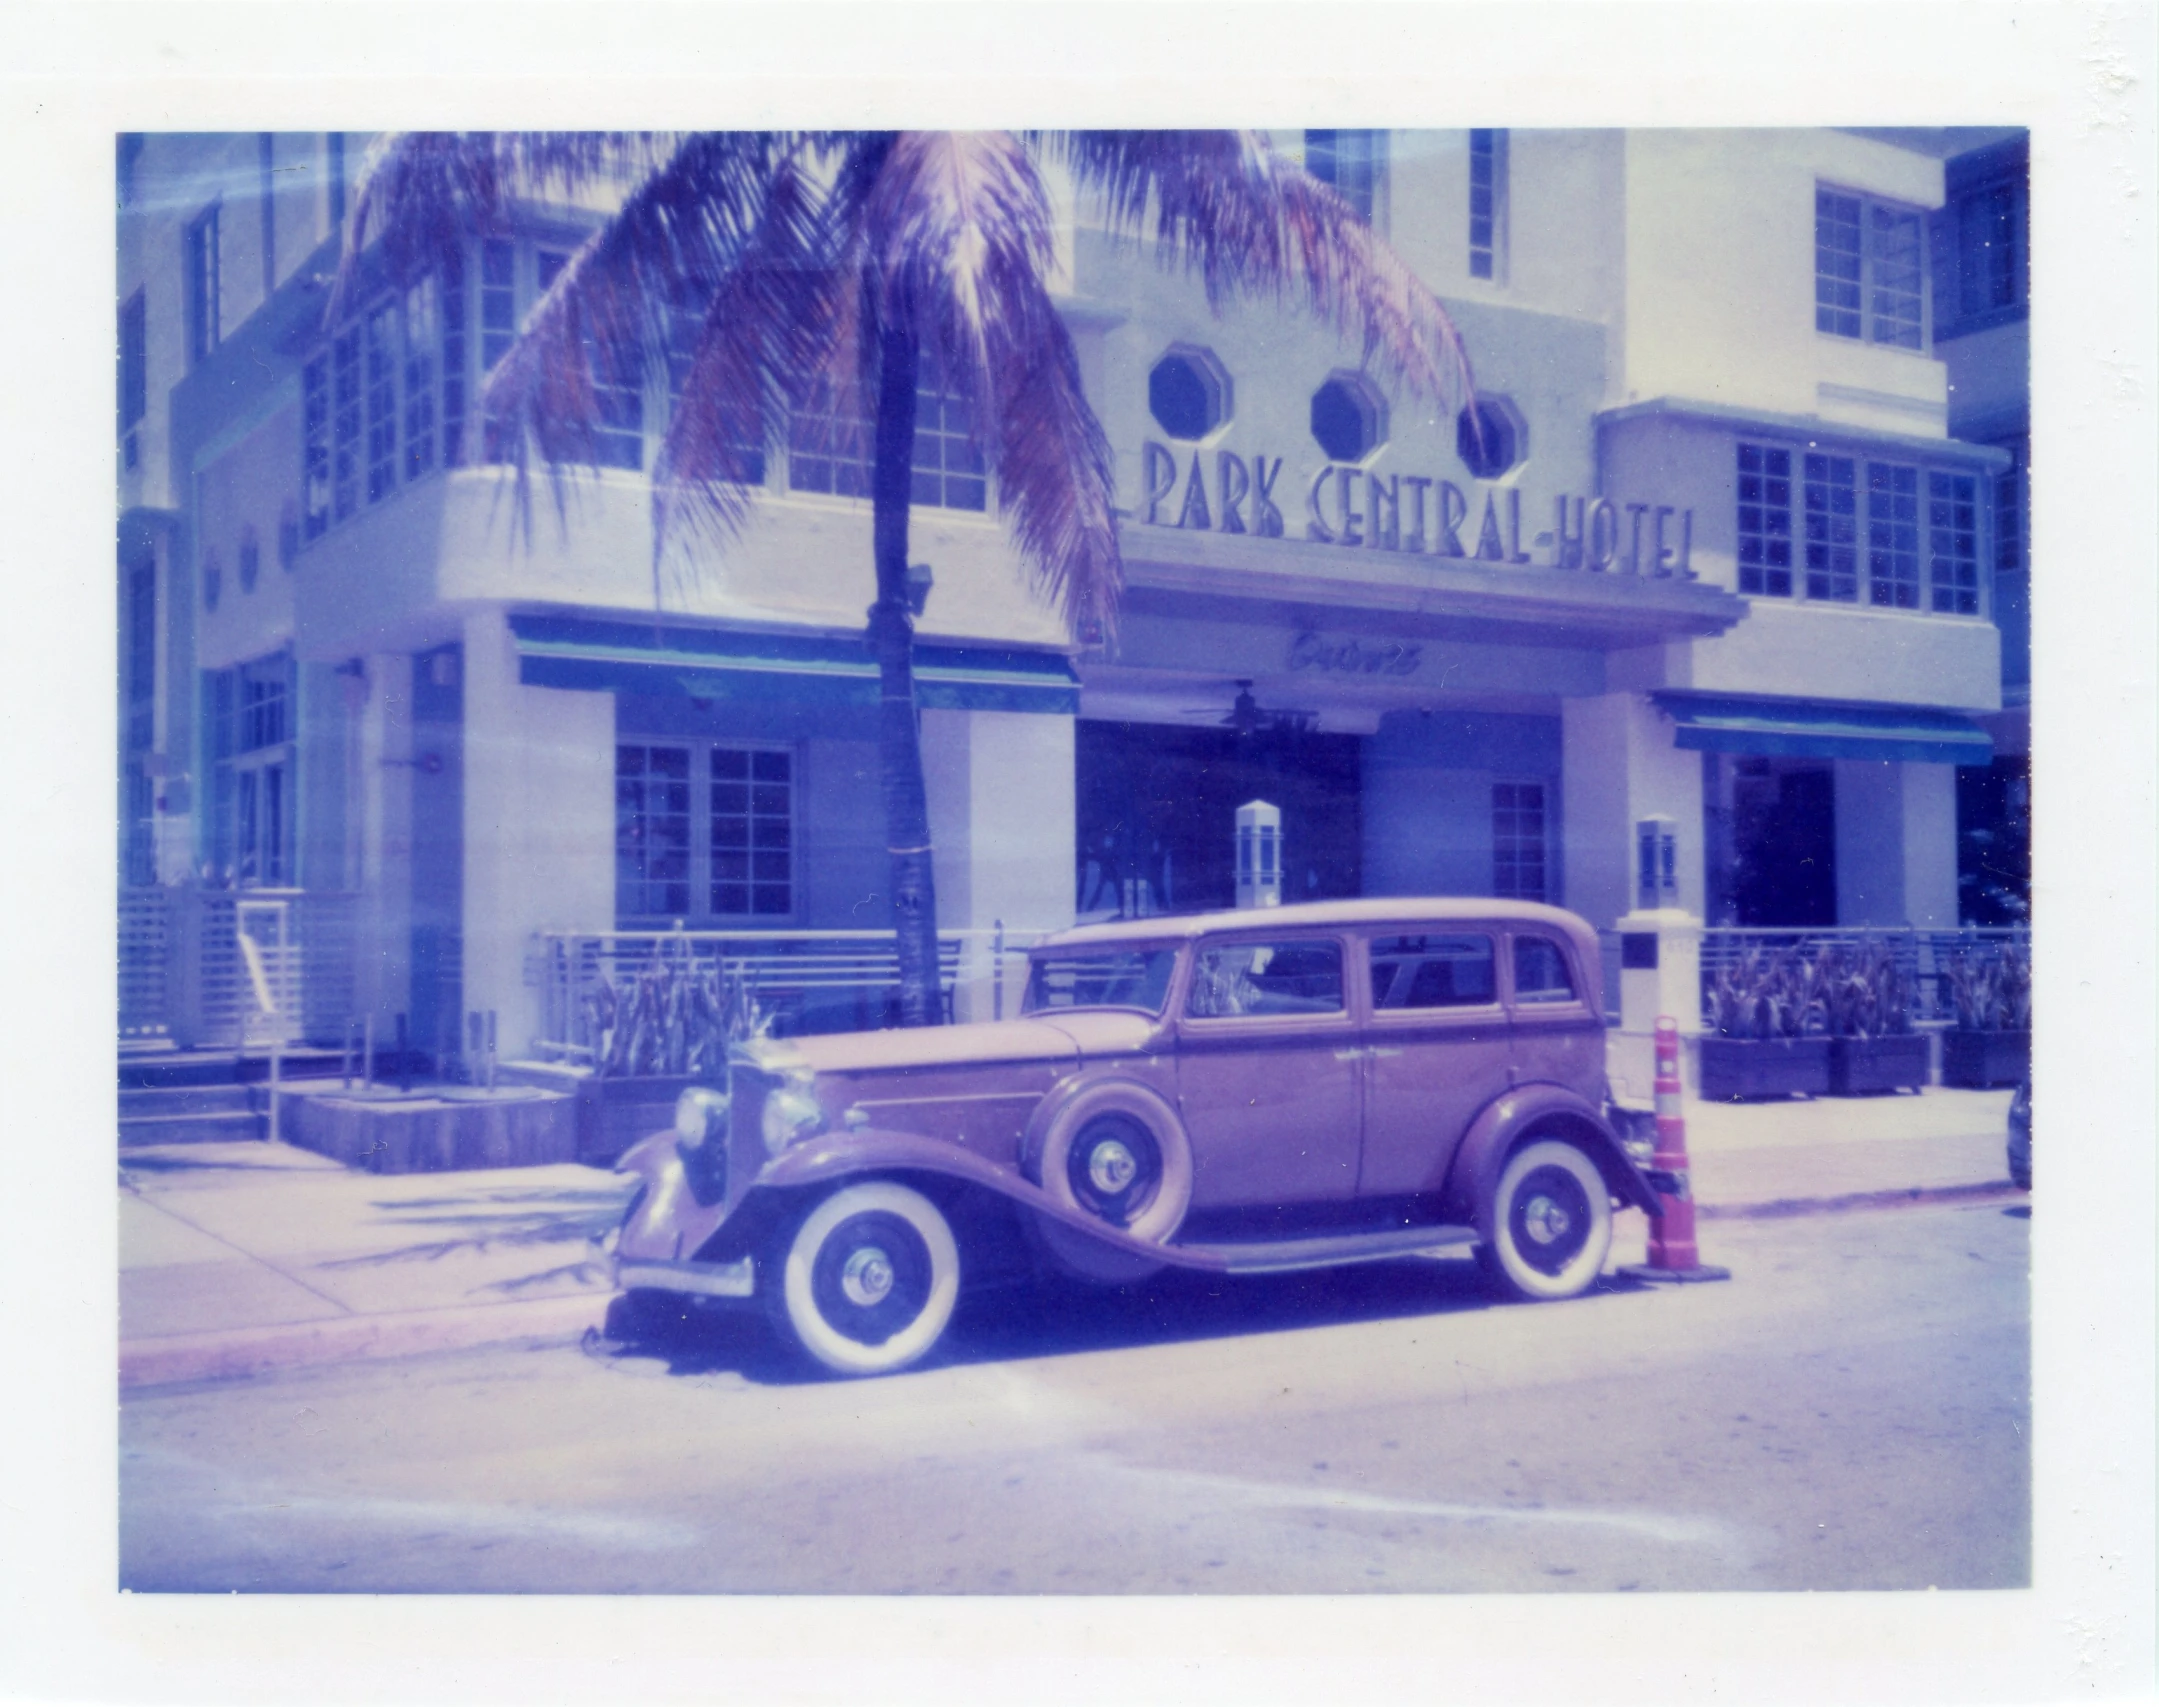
803	982
183	975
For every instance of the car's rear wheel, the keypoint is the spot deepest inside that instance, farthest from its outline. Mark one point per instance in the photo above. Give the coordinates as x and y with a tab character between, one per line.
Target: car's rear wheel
1549	1225
1118	1154
866	1281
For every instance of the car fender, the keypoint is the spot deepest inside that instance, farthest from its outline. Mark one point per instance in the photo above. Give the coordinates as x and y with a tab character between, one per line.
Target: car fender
1113	1089
868	1151
1473	1173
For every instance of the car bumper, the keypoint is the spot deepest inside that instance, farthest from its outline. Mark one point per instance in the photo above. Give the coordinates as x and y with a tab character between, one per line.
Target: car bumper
699	1279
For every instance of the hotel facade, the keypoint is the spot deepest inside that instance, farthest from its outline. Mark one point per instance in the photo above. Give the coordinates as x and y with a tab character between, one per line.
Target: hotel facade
1695	617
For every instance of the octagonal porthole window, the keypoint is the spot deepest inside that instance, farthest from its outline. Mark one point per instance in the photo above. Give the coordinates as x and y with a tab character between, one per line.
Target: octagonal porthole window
1491	437
1188	392
1349	417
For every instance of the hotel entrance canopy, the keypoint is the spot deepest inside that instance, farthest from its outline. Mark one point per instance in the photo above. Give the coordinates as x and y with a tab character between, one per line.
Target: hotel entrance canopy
725	665
1823	729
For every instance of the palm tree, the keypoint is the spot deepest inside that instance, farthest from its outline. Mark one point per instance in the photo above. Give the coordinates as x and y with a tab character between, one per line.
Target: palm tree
846	259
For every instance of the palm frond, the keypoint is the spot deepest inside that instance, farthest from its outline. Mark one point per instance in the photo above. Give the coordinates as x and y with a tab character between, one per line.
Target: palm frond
1254	225
960	226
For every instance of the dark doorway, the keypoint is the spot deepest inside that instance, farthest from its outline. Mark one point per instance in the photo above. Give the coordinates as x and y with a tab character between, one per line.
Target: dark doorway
1157	812
1784	843
1994	842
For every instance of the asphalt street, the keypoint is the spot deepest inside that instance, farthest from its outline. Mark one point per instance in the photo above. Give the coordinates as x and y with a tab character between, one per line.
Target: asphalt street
1851	1411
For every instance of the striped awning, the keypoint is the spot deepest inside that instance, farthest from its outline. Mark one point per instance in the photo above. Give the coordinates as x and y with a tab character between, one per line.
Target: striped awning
719	664
1823	729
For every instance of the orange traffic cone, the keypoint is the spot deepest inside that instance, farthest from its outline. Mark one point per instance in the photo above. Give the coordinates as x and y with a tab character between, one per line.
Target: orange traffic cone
1672	1251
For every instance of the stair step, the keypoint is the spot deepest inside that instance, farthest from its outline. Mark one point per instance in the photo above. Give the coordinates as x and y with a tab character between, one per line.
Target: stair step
171	1100
192	1128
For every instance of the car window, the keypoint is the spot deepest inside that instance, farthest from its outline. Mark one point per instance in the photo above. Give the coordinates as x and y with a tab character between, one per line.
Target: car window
1233	978
1110	977
1432	972
1540	971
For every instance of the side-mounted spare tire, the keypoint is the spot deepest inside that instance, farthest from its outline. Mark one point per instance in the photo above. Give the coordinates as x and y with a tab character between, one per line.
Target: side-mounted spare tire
1117	1153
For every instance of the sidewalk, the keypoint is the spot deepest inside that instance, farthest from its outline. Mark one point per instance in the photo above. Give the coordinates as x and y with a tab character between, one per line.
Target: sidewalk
241	1257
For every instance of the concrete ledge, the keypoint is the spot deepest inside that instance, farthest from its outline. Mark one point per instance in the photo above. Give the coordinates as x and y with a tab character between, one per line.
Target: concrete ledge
433	1134
1897	1199
234	1352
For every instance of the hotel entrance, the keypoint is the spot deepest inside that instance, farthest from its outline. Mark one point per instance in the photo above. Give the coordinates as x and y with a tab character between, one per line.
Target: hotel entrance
1157	807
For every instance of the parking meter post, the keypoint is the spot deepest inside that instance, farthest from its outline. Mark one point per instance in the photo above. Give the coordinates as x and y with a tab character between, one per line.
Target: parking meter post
1673	1254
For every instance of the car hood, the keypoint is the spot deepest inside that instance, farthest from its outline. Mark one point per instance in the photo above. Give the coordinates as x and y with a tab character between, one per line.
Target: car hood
1068	1037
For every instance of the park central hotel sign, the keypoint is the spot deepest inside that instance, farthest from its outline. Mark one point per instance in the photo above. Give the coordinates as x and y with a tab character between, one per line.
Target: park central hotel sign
1356	508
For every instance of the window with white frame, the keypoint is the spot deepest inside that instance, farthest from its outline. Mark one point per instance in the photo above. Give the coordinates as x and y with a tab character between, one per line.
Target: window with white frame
1353	161
1869	269
1953	542
1518	841
1893	536
203	285
134	375
1832	528
251	770
1765	521
738	428
704	831
1487	204
618	385
832	444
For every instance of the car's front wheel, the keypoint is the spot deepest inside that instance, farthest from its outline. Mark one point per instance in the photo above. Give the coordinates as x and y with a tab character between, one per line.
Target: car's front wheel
1549	1226
866	1281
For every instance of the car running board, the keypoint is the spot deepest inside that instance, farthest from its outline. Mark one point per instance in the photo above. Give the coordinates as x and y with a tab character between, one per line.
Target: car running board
1276	1255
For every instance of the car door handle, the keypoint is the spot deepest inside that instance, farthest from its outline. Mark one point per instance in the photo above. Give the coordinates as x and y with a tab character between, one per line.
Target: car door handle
1377	1053
1351	1054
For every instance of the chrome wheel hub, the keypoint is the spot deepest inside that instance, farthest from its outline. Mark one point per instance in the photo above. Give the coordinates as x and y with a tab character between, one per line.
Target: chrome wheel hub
867	1277
1545	1220
1111	1167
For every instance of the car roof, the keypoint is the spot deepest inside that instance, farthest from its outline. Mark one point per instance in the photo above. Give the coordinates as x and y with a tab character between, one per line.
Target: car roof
1407	912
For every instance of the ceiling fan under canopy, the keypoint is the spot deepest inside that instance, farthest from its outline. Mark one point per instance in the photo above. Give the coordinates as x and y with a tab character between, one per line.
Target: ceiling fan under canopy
1247	717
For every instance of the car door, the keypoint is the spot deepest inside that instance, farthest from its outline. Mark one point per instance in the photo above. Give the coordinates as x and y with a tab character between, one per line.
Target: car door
1558	1037
1436	1051
1267	1071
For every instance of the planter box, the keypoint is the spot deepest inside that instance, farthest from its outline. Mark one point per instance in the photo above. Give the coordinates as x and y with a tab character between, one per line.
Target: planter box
427	1133
1865	1066
1976	1060
612	1114
1734	1069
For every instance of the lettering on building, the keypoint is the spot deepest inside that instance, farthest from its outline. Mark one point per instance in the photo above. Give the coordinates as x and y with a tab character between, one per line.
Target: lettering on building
1419	515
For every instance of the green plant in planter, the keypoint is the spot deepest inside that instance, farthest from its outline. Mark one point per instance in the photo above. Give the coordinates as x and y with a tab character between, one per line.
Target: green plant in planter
671	1017
1865	992
1993	992
1763	996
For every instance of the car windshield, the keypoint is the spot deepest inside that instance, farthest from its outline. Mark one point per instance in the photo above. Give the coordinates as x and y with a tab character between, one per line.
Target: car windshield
1112	976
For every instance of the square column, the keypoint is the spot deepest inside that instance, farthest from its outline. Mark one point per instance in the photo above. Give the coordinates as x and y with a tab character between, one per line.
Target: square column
539	826
382	852
1003	818
1618	766
1896	843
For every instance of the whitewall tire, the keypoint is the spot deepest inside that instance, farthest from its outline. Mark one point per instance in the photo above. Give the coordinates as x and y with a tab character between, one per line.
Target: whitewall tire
1549	1227
866	1282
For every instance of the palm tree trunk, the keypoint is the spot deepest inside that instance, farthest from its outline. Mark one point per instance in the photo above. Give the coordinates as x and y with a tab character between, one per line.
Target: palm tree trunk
891	637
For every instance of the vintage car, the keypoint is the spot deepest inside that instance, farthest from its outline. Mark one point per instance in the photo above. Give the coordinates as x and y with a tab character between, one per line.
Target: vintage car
1231	1092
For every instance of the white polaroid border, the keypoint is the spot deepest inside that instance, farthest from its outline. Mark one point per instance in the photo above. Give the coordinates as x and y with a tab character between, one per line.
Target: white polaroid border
2079	75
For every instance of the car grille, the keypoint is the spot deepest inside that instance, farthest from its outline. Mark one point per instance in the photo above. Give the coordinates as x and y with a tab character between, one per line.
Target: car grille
747	1089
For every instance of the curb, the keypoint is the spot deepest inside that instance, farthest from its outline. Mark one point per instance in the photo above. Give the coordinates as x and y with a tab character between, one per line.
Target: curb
1899	1198
229	1352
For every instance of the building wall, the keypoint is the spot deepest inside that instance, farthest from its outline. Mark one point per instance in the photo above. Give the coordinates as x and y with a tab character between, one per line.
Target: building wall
1427	801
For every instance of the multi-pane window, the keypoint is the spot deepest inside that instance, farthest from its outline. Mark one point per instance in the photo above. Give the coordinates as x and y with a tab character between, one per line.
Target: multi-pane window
652	831
737	427
381	327
315	447
1351	160
2009	513
345	422
752	832
1953	542
251	753
204	326
1832	542
1893	536
1487	203
422	338
451	300
1990	249
1765	521
832	445
1869	269
704	830
134	373
618	385
498	300
1518	841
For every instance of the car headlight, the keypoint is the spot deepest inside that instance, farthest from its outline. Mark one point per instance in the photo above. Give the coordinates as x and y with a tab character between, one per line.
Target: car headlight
790	1114
699	1115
